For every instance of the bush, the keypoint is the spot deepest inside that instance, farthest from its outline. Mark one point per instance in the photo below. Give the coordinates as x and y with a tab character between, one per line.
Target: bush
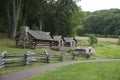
92	40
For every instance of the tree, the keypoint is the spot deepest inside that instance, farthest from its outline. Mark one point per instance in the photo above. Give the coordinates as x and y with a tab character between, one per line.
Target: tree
92	40
56	16
80	31
12	15
103	22
64	17
2	17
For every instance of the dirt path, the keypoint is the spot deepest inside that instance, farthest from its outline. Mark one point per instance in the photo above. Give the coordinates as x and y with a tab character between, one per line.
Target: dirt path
22	74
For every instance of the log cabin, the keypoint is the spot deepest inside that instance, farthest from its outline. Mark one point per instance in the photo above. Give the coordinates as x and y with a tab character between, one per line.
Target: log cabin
70	42
33	39
58	41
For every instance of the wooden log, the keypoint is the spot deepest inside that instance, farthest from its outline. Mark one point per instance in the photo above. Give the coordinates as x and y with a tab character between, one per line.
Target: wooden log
14	65
47	56
2	63
2	59
28	57
13	62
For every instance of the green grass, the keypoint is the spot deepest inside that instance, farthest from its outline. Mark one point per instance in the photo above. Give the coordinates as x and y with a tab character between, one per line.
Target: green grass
109	70
105	50
9	46
13	69
82	42
111	51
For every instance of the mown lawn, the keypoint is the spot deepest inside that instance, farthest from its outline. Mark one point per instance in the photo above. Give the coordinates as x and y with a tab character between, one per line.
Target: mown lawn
109	70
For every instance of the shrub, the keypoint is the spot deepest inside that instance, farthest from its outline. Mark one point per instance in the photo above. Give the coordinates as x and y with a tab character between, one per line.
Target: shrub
92	40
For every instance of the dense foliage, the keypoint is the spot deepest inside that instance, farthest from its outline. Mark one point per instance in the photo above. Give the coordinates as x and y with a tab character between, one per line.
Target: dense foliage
103	22
56	16
60	17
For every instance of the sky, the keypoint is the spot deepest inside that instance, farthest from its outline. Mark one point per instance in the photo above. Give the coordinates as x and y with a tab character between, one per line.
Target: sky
93	5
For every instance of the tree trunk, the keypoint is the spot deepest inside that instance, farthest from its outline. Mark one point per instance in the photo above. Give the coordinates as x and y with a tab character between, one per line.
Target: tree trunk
18	8
14	20
8	18
40	24
16	12
56	24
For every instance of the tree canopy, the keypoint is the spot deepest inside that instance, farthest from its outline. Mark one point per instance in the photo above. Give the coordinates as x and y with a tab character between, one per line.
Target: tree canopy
103	22
60	17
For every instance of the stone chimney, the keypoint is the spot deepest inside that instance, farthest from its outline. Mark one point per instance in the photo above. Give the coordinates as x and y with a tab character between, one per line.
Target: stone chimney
24	29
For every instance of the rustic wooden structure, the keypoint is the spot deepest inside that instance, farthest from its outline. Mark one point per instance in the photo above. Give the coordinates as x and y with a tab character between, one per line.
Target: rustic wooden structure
33	39
70	42
2	59
21	59
58	41
85	50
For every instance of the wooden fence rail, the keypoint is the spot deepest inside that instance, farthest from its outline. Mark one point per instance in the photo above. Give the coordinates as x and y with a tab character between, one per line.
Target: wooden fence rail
7	60
2	59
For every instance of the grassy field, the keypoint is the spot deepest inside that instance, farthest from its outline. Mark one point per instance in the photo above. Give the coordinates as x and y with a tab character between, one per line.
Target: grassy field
106	47
100	40
104	50
9	46
108	70
109	51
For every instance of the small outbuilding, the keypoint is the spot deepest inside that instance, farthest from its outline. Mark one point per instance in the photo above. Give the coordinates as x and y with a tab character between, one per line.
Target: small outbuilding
70	42
58	41
85	50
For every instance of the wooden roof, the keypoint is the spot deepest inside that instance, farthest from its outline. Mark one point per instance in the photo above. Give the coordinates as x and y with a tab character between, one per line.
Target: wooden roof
40	35
84	47
57	38
69	39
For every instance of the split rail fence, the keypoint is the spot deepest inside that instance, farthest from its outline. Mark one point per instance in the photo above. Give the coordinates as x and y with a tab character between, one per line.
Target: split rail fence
23	59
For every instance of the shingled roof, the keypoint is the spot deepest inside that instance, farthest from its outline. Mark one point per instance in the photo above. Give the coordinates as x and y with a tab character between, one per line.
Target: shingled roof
83	47
69	39
40	35
57	38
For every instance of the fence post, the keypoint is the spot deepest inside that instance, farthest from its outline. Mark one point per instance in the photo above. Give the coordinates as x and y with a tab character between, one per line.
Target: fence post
62	56
47	56
26	58
2	59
